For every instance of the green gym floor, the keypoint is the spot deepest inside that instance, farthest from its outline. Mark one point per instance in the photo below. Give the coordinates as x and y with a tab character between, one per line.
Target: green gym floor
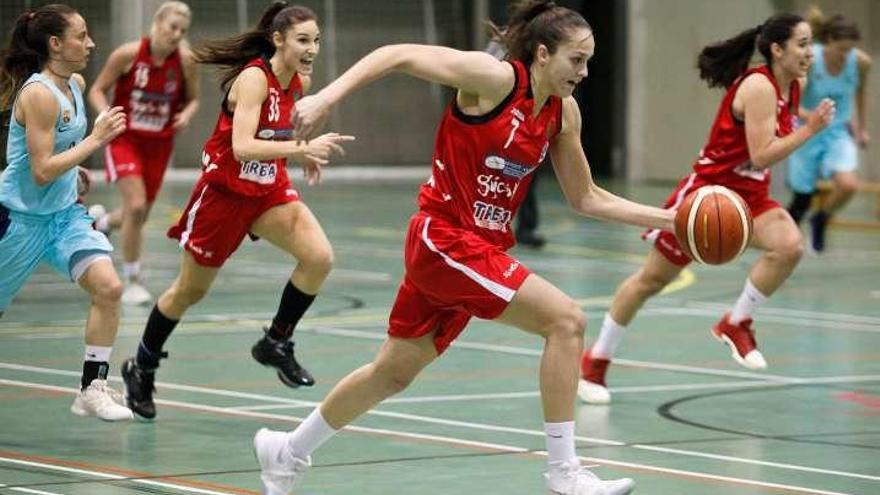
685	419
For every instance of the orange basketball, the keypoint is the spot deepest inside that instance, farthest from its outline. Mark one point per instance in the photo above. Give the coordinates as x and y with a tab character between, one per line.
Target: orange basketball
713	225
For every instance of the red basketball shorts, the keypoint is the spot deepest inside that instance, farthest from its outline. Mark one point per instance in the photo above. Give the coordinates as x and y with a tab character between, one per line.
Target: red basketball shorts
451	275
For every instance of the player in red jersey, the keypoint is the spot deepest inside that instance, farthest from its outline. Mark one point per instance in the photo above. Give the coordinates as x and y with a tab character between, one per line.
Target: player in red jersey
155	80
506	115
244	190
753	130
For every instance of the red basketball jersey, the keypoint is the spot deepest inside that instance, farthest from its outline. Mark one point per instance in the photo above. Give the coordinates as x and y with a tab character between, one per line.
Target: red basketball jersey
253	177
151	94
483	165
725	158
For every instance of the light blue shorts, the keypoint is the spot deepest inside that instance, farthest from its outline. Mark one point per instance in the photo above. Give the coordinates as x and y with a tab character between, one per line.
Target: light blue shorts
831	151
65	240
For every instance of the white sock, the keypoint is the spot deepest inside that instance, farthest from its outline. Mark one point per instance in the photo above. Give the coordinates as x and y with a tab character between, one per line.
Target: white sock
749	301
130	271
309	435
98	353
560	442
609	338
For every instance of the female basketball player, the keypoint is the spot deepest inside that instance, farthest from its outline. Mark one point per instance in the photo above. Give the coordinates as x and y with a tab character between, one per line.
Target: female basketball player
155	80
753	130
505	116
40	219
840	72
244	190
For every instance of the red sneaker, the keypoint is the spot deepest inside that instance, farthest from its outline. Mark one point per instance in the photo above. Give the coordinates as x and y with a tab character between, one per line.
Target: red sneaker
741	340
591	387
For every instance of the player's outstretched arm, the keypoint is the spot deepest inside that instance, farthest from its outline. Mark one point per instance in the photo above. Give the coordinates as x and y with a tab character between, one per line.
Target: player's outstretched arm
583	195
475	73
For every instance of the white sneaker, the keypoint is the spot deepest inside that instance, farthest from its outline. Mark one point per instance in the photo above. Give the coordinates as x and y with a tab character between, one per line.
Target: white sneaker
593	393
279	469
97	212
102	401
135	294
569	478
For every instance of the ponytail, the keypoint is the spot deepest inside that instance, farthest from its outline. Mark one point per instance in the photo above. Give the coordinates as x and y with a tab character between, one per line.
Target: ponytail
28	48
232	54
533	23
720	64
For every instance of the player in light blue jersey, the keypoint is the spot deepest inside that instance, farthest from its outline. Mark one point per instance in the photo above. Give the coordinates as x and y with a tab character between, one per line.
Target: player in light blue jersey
40	219
840	72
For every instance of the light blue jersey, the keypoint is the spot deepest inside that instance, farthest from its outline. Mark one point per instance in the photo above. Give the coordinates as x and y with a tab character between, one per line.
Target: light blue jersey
18	190
44	223
840	88
833	149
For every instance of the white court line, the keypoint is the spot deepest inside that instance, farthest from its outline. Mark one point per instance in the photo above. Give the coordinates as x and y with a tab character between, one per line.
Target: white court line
795	323
101	474
725	458
524	351
412	417
267	407
28	490
452	441
471	425
798	313
639	389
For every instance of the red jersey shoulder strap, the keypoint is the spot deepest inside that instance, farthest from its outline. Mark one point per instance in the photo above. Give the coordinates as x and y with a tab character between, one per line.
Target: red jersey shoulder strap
519	75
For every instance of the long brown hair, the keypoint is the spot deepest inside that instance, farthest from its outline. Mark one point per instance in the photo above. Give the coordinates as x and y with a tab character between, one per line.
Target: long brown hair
533	23
28	48
721	63
233	53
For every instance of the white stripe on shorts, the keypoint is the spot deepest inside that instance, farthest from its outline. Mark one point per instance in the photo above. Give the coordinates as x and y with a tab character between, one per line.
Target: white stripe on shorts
109	164
653	234
191	218
499	290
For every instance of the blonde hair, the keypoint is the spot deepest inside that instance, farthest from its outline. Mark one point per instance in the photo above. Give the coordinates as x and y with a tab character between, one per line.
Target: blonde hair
169	7
832	28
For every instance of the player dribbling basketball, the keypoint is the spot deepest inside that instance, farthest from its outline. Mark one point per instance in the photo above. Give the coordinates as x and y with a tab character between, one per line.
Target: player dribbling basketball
753	130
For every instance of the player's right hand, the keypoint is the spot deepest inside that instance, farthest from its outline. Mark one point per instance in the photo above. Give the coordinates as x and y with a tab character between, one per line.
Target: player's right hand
322	147
821	116
109	124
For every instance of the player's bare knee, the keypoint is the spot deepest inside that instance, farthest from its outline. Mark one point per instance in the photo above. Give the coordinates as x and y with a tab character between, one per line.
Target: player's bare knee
569	324
395	379
847	187
137	212
790	251
321	261
108	293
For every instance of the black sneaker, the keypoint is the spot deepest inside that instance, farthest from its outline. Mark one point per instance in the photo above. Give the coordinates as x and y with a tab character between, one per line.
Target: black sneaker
139	388
279	355
530	239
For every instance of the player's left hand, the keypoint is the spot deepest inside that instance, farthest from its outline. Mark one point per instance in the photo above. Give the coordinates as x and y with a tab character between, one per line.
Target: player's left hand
181	121
312	172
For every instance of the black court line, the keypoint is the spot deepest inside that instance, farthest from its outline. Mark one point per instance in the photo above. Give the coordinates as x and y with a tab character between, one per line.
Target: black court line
666	411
